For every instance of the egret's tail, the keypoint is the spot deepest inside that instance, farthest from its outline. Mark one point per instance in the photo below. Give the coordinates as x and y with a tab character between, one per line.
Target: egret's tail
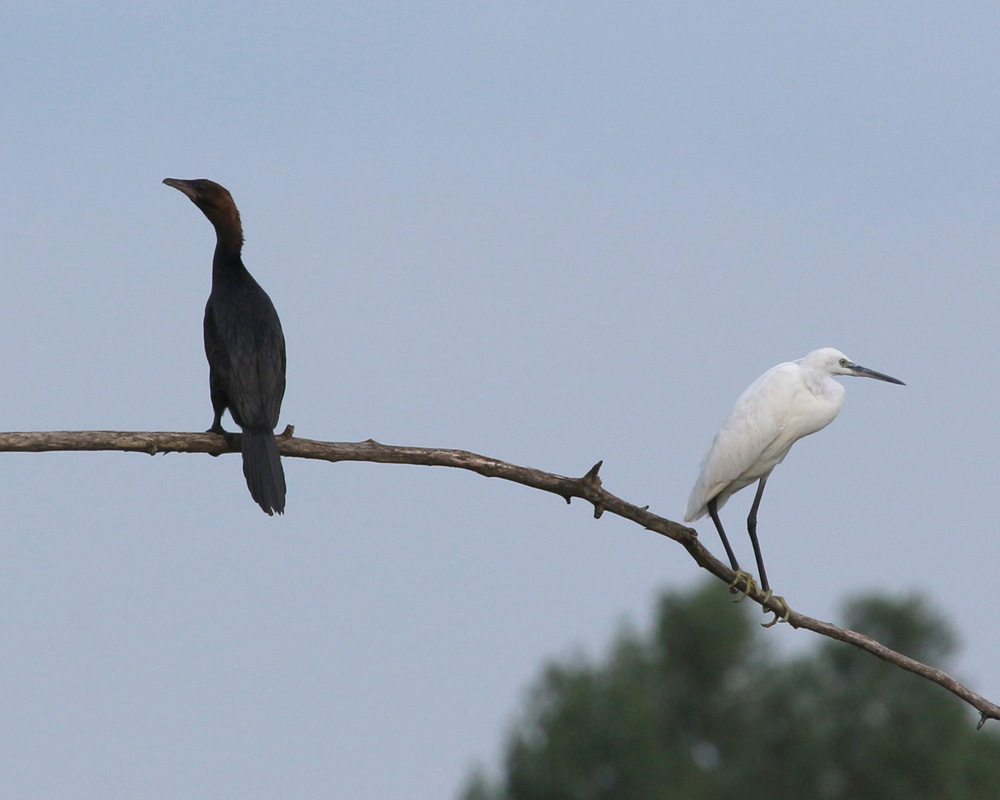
697	506
262	468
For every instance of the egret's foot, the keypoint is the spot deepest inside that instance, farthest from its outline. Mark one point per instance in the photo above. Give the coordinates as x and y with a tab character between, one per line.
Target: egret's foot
749	584
768	595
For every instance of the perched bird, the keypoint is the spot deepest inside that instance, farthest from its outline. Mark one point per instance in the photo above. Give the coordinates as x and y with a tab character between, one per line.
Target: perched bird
784	404
244	345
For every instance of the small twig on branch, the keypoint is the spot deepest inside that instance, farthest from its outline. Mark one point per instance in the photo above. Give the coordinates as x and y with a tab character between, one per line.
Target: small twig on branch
588	488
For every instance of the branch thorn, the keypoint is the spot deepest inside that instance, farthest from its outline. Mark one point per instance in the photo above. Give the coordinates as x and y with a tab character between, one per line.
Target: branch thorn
591	476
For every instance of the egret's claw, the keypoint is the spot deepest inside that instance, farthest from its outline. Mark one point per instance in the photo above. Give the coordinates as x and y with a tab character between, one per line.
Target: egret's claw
784	618
749	584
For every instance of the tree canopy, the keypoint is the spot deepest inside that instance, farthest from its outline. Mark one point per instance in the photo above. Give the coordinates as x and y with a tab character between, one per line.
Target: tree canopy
702	706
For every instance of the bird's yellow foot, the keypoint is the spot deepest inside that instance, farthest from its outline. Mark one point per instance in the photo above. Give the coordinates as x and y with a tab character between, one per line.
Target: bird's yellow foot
768	595
749	584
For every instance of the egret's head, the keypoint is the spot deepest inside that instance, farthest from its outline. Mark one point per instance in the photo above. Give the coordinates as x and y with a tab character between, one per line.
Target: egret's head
833	362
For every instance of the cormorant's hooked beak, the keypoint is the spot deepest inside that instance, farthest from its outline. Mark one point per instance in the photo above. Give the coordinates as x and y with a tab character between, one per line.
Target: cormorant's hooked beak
864	372
183	186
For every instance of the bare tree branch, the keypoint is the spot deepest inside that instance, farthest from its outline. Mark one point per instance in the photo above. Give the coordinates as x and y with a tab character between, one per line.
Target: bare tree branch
588	487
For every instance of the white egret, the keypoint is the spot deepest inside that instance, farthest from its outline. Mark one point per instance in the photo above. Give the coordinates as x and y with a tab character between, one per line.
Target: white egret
784	404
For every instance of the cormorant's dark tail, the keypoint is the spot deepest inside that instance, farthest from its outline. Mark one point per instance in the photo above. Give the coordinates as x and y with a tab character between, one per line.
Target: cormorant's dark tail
262	468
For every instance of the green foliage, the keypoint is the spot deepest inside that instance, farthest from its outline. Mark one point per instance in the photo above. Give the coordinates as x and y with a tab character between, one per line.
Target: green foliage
703	708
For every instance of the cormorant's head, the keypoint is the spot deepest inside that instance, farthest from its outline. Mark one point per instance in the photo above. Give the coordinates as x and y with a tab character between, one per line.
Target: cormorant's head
215	202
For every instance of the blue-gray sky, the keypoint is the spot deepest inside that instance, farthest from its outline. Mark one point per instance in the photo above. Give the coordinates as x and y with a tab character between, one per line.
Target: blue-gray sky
547	232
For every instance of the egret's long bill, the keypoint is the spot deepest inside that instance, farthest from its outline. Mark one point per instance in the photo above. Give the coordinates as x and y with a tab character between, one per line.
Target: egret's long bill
864	372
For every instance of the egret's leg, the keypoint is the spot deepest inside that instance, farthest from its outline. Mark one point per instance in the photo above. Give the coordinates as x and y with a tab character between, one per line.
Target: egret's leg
741	575
713	509
752	528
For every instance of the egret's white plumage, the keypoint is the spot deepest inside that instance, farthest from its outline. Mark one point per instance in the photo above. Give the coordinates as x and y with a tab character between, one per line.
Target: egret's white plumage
784	404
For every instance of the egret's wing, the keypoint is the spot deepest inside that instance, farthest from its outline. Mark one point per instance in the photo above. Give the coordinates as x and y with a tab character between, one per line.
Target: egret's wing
750	442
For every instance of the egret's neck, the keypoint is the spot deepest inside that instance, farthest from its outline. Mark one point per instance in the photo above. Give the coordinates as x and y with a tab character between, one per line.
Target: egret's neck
823	386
